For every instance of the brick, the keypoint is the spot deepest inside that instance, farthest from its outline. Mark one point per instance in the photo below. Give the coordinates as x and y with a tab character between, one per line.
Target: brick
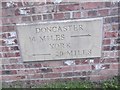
69	7
109	60
113	48
118	34
8	78
47	16
107	4
39	17
81	67
76	14
103	12
58	16
84	61
66	79
9	72
110	34
34	18
109	54
6	55
96	60
17	54
51	8
16	41
5	49
15	61
8	28
2	42
92	5
77	73
108	20
4	4
52	64
35	76
114	11
77	62
40	9
0	55
0	72
19	4
52	75
68	74
8	12
92	13
46	70
108	72
106	48
82	78
98	77
4	35
14	66
29	3
107	27
26	72
33	65
84	73
106	42
117	47
37	70
105	66
114	66
17	12
9	20
67	15
49	2
0	23
14	48
115	4
26	19
118	53
5	61
118	11
62	69
115	19
115	26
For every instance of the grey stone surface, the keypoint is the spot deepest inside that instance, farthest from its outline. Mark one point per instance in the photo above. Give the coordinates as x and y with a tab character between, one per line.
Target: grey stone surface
55	40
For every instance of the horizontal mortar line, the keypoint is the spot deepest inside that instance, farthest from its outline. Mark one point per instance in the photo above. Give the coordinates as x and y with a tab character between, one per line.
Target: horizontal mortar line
40	54
81	35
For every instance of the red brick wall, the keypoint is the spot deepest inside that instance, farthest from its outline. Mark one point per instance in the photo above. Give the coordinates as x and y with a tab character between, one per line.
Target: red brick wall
13	67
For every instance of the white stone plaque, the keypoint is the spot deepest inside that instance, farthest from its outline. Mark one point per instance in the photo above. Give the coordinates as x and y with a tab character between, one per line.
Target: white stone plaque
56	40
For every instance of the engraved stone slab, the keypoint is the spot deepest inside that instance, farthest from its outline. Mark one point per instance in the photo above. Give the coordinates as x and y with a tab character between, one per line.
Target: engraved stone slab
55	40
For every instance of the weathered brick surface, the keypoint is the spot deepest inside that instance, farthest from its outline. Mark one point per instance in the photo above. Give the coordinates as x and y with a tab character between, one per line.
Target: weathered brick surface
29	73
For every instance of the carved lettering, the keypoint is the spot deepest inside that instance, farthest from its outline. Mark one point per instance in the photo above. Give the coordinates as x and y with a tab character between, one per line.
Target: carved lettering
74	53
59	28
59	45
32	38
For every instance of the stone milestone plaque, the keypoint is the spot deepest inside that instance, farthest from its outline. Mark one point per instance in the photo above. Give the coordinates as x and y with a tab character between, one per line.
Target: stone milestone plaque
55	40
